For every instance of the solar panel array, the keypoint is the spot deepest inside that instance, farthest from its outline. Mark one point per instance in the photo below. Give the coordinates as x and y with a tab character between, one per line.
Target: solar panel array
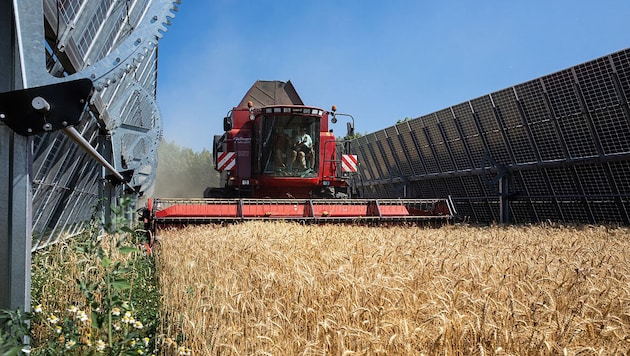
554	148
123	122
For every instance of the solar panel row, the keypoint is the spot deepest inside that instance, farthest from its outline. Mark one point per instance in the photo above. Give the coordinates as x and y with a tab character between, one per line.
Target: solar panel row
560	144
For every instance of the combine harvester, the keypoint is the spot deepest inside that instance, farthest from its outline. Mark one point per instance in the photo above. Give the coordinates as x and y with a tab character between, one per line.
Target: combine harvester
278	160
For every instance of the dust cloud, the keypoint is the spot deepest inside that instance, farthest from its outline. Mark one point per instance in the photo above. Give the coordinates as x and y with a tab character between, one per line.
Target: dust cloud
182	173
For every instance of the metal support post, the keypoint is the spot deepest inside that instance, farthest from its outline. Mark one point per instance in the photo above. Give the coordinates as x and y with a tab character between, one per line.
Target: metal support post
15	220
15	183
504	201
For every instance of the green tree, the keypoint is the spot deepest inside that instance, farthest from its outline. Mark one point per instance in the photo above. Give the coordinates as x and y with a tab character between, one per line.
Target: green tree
353	136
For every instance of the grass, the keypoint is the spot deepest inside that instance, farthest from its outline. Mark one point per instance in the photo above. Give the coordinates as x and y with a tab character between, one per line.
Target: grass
94	295
261	288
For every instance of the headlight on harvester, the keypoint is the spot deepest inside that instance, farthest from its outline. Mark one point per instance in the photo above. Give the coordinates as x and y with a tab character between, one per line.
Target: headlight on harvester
245	182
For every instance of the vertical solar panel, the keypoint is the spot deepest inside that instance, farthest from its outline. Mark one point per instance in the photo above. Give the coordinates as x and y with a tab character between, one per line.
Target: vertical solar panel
516	130
476	148
594	180
422	189
424	148
440	188
547	139
399	154
535	183
605	210
595	84
522	212
620	172
456	142
613	129
484	210
472	185
454	187
374	156
407	140
364	161
386	157
621	62
563	182
442	143
562	91
497	148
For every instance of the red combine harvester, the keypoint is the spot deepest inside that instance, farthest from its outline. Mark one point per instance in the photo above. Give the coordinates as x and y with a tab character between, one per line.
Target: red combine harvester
278	159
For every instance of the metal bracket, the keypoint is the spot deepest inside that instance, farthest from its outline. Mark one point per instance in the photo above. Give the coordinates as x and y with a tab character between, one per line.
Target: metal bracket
495	175
505	183
137	189
127	175
47	108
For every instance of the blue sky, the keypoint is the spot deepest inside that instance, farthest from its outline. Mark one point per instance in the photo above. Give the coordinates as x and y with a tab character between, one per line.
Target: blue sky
379	61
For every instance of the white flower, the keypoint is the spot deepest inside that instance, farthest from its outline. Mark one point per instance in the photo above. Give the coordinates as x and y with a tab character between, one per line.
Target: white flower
138	324
70	343
58	329
146	341
116	311
38	308
100	345
73	309
128	319
52	319
81	315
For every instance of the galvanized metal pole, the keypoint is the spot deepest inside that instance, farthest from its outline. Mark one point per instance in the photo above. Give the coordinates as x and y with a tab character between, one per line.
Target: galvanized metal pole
81	141
15	182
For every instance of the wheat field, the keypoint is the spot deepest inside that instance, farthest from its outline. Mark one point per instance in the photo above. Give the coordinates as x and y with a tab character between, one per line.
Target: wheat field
279	288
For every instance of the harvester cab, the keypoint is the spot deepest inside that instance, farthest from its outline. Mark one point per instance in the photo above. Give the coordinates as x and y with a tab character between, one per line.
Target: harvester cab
280	148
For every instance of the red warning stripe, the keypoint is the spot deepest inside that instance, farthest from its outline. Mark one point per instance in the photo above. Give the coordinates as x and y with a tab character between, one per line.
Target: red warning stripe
226	161
348	163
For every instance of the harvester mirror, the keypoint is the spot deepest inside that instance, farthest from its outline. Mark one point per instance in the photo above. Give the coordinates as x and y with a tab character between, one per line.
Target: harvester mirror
350	129
250	107
227	123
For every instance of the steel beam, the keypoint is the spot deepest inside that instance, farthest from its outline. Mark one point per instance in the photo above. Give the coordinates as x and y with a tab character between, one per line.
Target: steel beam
15	181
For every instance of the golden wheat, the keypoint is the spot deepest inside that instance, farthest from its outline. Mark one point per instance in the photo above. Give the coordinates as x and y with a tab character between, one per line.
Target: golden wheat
276	288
